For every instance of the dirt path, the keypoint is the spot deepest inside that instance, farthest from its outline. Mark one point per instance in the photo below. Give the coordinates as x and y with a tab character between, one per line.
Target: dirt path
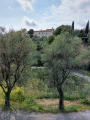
19	115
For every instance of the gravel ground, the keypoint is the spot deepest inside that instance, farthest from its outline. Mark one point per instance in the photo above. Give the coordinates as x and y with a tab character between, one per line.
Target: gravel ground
20	115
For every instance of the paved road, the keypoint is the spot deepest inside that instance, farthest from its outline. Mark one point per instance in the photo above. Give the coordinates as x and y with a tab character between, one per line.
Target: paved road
82	76
19	115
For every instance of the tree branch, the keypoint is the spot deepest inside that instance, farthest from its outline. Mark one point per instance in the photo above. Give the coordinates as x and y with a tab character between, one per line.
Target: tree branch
3	88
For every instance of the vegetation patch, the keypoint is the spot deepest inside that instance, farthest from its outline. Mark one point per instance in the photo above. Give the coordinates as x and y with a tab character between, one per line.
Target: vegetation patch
86	102
87	73
48	96
17	95
71	109
71	98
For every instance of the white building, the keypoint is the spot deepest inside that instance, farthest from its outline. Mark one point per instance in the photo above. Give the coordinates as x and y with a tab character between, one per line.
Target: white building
41	33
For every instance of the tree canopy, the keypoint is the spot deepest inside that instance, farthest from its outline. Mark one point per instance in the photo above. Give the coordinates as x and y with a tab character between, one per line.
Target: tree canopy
31	33
62	28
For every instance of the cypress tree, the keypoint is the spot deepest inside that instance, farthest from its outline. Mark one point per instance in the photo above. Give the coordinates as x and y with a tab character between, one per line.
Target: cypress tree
73	25
87	28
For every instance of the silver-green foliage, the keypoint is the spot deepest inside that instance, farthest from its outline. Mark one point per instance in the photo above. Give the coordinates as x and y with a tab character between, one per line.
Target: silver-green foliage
16	54
62	57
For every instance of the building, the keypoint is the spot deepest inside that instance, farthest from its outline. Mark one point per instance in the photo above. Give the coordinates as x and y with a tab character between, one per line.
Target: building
41	33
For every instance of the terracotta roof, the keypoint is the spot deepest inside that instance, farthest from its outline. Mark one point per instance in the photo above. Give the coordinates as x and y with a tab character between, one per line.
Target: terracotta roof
48	30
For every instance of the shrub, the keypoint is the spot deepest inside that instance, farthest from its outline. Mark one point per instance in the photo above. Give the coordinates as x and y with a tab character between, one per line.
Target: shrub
82	95
30	101
87	102
17	96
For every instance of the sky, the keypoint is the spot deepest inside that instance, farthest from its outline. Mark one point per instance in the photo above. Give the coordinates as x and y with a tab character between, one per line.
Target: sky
43	14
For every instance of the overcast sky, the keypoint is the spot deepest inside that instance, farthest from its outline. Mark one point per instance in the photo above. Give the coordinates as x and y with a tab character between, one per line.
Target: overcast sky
43	14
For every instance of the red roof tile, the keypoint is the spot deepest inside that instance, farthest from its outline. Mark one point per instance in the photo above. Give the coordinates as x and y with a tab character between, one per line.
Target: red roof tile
48	30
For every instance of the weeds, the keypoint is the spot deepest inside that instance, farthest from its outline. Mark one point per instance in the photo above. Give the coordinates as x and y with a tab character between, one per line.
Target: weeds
71	98
86	102
17	95
71	109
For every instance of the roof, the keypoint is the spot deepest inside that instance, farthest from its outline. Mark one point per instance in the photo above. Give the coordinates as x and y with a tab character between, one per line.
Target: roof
47	30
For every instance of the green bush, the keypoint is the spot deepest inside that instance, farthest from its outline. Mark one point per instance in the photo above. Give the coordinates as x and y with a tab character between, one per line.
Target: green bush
87	102
82	95
40	108
17	96
30	104
29	101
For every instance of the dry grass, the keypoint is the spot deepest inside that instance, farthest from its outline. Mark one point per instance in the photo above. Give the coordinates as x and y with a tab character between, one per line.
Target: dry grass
55	102
47	102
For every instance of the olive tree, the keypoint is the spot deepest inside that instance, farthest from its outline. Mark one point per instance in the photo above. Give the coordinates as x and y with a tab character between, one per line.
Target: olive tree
16	50
61	57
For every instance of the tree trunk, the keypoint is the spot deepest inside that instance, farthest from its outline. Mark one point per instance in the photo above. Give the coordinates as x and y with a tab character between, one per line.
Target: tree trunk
61	100
7	99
